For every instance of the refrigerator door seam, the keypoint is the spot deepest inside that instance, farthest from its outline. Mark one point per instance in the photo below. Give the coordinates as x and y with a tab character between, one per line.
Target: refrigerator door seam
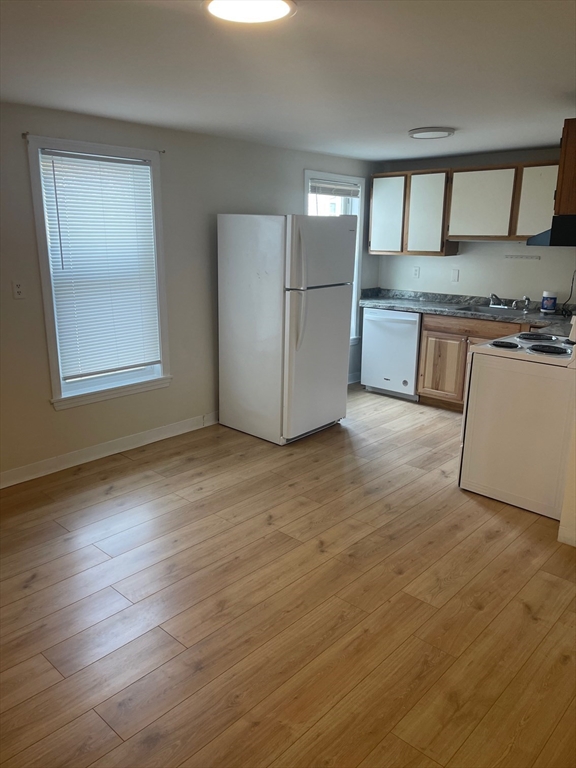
316	287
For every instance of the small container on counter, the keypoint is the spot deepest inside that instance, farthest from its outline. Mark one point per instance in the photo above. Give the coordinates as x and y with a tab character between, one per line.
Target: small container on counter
549	300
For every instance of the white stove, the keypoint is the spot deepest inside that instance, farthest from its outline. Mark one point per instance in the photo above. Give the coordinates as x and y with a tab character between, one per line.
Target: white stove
531	346
518	420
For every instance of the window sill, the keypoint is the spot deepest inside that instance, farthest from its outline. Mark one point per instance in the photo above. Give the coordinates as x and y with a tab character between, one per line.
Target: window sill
61	403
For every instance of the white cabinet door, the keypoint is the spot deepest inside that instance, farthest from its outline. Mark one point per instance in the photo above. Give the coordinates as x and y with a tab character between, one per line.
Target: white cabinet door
537	199
387	214
426	212
481	203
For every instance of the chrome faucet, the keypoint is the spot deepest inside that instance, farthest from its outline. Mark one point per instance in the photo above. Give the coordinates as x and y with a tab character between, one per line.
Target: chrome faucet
525	300
496	301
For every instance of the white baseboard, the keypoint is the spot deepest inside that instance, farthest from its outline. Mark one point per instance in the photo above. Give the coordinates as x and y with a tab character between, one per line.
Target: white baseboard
354	378
47	466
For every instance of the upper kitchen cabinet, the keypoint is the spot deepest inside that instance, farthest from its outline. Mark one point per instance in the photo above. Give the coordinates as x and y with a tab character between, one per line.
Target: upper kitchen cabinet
536	206
408	214
481	207
387	214
565	204
427	212
510	203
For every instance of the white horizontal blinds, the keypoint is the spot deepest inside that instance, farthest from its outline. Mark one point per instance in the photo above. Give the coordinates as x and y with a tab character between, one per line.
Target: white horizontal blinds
100	228
333	188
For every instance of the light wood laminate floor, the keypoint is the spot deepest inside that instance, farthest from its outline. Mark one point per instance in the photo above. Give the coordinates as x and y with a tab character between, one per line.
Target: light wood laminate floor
212	600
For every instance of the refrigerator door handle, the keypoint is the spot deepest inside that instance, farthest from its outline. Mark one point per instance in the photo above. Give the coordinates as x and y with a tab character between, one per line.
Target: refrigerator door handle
302	319
303	261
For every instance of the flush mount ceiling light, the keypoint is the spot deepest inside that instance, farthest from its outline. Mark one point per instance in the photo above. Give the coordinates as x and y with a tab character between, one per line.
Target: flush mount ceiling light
431	133
251	11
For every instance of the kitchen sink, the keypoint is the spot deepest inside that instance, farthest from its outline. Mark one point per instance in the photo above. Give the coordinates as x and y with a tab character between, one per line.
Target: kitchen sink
491	310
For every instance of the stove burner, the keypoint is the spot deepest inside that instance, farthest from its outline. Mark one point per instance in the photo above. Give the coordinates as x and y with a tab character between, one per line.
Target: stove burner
548	349
536	337
505	345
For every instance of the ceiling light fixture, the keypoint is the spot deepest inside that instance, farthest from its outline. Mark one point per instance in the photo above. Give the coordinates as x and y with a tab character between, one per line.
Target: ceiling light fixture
431	133
251	11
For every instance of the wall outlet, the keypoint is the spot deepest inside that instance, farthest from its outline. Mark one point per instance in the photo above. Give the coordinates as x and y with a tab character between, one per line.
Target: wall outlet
18	289
415	271
455	275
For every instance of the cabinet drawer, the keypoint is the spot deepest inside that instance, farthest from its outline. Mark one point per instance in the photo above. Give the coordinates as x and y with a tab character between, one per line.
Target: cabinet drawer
485	329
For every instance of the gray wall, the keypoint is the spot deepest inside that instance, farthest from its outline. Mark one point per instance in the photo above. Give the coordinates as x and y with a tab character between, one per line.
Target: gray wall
201	176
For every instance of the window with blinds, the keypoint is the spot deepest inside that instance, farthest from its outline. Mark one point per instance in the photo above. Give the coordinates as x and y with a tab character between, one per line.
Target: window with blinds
101	249
333	188
328	197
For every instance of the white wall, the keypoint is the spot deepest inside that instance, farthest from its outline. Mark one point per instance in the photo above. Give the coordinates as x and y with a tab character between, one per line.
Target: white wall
201	176
484	269
482	265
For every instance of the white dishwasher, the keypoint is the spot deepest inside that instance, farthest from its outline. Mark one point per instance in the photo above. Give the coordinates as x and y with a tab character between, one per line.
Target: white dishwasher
390	351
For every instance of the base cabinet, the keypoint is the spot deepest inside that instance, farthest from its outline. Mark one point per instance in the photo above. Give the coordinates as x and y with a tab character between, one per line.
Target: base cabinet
442	365
444	345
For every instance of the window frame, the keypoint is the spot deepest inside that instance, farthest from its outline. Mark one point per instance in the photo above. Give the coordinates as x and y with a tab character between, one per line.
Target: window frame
361	182
60	400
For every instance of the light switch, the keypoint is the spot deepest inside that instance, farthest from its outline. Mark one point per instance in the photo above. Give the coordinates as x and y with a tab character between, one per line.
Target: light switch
455	275
18	289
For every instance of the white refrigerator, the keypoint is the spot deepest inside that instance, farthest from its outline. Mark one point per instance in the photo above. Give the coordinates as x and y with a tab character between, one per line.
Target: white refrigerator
284	310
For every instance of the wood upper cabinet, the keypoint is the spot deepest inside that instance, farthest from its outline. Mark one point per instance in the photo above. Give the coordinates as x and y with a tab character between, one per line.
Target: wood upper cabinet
408	214
536	205
566	195
442	365
481	204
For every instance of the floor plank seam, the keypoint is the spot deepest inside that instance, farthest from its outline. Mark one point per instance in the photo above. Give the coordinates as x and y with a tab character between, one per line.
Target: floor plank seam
324	714
506	687
551	736
223	672
344	467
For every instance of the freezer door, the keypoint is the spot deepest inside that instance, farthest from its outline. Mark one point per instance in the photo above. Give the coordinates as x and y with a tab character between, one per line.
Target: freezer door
316	358
320	250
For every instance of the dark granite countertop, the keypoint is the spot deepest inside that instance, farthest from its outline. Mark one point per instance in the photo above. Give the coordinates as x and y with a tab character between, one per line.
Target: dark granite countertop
450	305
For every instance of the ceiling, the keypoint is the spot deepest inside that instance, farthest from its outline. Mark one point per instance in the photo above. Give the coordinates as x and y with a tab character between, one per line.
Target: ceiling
347	77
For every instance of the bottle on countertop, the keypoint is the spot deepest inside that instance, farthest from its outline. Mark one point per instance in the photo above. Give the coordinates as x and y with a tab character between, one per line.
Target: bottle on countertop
549	299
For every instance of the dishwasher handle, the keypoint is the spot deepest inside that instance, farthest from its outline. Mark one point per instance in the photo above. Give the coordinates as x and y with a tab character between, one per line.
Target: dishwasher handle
388	316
